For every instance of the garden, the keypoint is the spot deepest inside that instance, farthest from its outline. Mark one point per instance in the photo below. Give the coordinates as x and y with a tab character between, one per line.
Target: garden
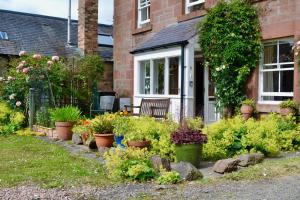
52	97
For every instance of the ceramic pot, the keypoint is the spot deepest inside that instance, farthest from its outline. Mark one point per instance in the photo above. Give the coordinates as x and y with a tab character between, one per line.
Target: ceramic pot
104	140
247	111
189	153
64	130
139	144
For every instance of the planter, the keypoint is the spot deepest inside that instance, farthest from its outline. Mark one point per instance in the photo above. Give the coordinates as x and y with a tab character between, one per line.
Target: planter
84	137
287	111
64	130
119	139
247	111
189	153
104	140
139	144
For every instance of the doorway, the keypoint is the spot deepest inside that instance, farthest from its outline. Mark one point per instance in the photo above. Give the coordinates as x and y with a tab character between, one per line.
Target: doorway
199	87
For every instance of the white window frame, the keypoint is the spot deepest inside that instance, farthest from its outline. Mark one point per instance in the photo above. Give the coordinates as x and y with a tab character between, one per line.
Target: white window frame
141	6
189	4
154	56
278	69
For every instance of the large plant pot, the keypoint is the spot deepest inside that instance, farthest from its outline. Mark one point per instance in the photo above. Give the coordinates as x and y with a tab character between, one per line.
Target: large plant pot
247	111
104	140
189	153
139	144
119	139
64	130
286	111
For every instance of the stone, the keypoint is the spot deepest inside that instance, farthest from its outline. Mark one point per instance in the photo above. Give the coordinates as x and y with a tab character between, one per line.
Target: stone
159	162
91	143
226	165
187	171
76	139
250	159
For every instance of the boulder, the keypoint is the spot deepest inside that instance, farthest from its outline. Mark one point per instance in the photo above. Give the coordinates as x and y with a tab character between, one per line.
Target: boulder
226	165
187	171
250	159
91	143
76	139
158	163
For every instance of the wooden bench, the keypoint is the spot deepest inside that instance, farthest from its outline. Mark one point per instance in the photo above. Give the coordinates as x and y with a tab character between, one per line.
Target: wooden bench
157	108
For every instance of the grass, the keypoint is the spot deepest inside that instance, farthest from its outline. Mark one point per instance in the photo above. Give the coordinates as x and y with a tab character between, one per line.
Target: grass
28	160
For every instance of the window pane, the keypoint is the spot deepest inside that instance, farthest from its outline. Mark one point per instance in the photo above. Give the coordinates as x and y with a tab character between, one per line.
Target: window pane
270	81
270	54
173	75
287	81
287	66
145	77
159	76
286	53
270	67
144	14
275	98
105	39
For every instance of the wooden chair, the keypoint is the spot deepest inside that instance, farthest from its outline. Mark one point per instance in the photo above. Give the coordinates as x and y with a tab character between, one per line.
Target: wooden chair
157	108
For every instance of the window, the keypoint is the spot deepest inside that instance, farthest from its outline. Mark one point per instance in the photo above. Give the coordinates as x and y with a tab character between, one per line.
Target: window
277	71
193	5
143	12
105	40
3	36
159	76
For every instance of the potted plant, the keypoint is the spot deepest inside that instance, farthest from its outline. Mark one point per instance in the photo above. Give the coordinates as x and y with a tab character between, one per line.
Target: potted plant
121	126
64	119
82	129
289	107
103	130
188	144
247	108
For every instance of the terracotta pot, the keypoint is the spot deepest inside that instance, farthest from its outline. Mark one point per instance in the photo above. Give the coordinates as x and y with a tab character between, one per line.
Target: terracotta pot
84	137
286	111
247	111
139	144
104	140
64	130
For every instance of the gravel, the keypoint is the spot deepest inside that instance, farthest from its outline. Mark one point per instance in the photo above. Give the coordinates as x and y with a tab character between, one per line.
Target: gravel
281	188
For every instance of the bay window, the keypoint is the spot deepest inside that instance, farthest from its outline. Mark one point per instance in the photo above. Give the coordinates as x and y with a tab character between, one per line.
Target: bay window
159	76
143	12
193	5
277	71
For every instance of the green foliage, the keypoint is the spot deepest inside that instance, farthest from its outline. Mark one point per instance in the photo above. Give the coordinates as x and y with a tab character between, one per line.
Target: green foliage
269	135
65	114
140	170
290	104
171	177
103	124
230	39
195	124
43	117
249	102
79	129
122	125
10	120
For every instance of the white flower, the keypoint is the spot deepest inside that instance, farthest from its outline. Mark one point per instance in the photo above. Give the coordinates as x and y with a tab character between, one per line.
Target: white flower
218	69
37	56
298	47
55	58
9	78
12	96
296	53
22	53
298	43
223	66
1	79
18	103
50	62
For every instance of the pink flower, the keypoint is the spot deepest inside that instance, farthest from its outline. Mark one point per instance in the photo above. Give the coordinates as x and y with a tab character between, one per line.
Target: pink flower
50	62
55	58
20	66
22	53
37	56
26	70
18	103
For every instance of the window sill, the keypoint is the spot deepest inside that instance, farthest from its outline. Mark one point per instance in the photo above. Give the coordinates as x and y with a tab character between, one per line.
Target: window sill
147	27
267	107
191	15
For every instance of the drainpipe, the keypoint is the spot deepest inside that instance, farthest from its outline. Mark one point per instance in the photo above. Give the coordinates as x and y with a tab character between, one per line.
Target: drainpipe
182	82
69	24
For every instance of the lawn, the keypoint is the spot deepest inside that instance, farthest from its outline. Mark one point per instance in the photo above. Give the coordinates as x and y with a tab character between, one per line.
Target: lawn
28	160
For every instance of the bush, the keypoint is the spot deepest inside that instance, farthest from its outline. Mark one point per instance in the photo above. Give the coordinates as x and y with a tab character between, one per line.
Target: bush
65	114
171	177
43	117
290	104
270	135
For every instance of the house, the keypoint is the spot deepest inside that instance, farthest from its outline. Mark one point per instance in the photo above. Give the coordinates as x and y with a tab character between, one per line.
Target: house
156	55
48	36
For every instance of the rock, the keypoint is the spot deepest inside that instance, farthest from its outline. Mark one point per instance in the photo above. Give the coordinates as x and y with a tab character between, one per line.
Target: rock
250	159
76	139
158	162
91	143
187	171
226	165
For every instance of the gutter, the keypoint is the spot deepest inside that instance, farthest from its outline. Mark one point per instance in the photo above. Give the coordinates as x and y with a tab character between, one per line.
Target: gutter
163	46
182	95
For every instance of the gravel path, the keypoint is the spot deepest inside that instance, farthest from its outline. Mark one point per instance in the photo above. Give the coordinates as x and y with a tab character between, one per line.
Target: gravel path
285	188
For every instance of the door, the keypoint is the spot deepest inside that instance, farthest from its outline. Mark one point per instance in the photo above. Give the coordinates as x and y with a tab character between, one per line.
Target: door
199	87
210	109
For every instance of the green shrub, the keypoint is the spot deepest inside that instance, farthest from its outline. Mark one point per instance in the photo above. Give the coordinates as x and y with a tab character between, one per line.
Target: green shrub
290	104
171	177
65	114
43	117
195	124
249	102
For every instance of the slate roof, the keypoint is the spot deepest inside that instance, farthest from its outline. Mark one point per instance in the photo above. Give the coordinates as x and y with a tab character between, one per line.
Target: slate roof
43	34
170	36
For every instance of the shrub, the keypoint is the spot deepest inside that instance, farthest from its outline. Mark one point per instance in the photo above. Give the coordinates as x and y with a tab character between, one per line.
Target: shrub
290	104
65	114
122	125
43	117
171	177
249	102
195	124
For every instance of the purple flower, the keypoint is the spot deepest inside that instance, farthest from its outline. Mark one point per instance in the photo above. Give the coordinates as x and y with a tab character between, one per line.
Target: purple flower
188	137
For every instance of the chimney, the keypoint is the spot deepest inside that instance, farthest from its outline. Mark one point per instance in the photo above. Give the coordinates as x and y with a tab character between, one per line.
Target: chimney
88	26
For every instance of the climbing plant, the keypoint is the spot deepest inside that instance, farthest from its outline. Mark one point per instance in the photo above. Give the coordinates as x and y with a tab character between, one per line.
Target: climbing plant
230	39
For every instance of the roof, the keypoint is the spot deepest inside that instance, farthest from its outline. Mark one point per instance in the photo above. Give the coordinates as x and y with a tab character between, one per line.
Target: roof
173	35
43	34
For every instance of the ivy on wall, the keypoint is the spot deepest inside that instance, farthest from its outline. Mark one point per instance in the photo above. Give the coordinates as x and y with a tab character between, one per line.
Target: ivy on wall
230	39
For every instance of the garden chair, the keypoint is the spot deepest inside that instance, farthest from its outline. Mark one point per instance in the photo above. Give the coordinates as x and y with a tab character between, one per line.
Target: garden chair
102	102
157	108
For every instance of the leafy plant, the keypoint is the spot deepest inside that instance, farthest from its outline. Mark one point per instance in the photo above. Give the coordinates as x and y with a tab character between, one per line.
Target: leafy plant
43	117
171	177
249	102
290	104
231	52
195	124
65	114
122	125
187	136
103	124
